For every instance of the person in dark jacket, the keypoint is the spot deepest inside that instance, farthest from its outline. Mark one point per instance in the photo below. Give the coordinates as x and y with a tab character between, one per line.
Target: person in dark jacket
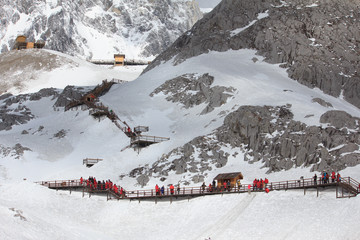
315	179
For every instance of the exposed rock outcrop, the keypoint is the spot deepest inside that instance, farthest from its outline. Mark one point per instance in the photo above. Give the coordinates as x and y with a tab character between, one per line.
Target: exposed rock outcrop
16	151
191	90
20	113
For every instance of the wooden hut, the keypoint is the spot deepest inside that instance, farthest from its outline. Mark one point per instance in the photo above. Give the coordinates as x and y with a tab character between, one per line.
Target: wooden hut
21	43
232	177
119	59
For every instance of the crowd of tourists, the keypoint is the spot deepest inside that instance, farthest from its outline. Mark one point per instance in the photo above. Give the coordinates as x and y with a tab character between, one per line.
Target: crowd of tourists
93	184
325	178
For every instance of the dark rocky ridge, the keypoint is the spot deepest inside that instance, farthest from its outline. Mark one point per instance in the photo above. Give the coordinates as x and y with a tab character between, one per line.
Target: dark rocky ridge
317	41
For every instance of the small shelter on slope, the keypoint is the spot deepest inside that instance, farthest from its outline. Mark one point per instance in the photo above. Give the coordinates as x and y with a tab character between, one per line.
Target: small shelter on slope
21	43
119	59
225	177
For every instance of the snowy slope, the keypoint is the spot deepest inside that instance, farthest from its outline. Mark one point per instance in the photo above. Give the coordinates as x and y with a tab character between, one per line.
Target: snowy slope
40	213
255	83
33	69
278	215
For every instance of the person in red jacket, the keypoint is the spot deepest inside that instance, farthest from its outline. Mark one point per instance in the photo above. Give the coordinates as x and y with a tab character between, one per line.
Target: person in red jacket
333	177
255	184
81	181
338	177
266	181
172	189
249	188
224	184
157	190
210	187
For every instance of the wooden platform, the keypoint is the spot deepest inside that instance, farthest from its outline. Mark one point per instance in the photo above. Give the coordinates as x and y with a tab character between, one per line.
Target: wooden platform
144	140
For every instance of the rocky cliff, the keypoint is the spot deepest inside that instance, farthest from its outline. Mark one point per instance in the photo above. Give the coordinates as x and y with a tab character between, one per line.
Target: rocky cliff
98	28
317	41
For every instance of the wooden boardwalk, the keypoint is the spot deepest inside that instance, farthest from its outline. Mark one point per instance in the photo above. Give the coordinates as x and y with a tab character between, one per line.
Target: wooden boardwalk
346	188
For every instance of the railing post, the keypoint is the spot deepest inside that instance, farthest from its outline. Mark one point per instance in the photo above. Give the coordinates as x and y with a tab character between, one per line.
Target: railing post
304	186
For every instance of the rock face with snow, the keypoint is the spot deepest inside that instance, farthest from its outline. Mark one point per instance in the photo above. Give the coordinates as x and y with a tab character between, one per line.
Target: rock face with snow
316	41
191	90
266	134
98	28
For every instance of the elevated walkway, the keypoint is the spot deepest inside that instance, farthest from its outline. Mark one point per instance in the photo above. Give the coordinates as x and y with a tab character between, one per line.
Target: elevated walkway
347	188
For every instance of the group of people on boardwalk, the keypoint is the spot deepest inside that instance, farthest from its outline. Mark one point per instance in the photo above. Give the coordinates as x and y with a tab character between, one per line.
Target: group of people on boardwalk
92	184
214	187
325	178
260	184
161	190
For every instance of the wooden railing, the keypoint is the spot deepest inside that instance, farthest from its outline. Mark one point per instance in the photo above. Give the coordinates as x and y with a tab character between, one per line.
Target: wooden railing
61	183
196	191
281	185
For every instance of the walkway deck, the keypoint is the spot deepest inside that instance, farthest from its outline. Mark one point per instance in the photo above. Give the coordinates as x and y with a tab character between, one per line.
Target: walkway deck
348	187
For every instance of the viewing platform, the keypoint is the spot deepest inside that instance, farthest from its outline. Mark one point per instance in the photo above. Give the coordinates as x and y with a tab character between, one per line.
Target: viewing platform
89	162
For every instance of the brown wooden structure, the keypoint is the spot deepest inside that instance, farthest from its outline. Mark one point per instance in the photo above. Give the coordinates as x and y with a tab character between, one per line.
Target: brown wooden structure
21	43
119	59
225	177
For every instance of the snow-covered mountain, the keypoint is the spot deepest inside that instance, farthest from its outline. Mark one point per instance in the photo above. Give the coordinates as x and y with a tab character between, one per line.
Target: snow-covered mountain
225	108
98	29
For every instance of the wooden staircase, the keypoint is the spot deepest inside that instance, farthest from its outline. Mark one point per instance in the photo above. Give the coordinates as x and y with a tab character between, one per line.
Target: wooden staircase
348	188
98	110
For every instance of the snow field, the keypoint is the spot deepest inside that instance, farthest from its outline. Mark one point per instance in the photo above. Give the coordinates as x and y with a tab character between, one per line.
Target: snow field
277	215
